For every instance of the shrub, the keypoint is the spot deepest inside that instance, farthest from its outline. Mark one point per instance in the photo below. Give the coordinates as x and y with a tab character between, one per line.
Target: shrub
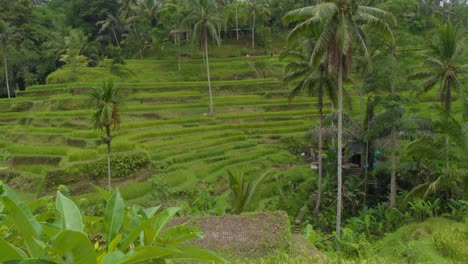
121	166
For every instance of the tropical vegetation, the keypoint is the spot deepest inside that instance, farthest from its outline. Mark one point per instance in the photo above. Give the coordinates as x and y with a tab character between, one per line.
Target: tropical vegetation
340	132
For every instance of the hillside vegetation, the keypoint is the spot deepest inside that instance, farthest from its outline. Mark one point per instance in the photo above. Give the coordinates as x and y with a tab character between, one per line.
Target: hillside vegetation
341	125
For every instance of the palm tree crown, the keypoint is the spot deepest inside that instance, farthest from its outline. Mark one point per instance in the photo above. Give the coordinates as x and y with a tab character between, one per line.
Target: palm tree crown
108	103
342	21
444	65
204	18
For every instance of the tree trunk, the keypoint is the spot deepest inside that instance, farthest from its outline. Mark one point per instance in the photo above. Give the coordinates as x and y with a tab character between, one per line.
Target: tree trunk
320	167
448	109
393	171
340	148
253	32
393	185
447	146
237	25
115	37
208	73
5	64
366	168
361	104
108	142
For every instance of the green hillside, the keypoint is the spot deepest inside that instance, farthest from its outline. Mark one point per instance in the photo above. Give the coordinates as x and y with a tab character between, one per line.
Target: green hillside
47	127
48	130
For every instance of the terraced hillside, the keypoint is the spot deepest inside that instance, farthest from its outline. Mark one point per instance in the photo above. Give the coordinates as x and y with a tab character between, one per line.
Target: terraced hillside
47	130
166	133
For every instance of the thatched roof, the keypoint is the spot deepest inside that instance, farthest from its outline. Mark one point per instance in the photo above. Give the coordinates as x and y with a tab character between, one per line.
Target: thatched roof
247	235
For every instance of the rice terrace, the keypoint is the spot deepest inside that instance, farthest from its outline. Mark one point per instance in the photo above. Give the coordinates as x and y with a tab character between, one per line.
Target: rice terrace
233	131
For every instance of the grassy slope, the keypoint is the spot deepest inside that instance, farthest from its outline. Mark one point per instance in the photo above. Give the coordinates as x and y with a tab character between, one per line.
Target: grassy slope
164	117
436	240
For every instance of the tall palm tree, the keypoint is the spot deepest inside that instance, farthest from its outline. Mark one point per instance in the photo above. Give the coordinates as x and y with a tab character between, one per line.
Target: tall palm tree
444	67
315	80
203	17
394	139
150	9
390	125
113	23
107	114
342	22
7	33
256	8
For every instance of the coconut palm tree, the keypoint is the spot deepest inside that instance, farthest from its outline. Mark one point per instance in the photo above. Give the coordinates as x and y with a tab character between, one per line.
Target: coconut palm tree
315	80
203	17
107	114
256	8
113	23
444	67
342	22
390	125
150	9
7	34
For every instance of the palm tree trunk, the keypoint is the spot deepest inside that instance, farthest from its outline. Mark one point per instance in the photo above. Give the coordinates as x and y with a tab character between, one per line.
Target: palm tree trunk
447	146
340	148
237	25
393	170
178	52
361	104
208	73
253	32
366	168
115	37
5	64
448	108
320	108
108	142
393	185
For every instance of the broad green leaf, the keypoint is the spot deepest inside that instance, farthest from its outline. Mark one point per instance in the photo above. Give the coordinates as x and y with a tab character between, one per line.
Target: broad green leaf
114	215
114	257
39	202
149	235
164	217
179	234
51	229
10	252
310	233
136	232
196	253
114	243
76	246
71	216
28	227
106	195
149	253
150	212
160	221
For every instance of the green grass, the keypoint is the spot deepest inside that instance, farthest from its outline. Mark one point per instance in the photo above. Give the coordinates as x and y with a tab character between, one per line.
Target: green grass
436	240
